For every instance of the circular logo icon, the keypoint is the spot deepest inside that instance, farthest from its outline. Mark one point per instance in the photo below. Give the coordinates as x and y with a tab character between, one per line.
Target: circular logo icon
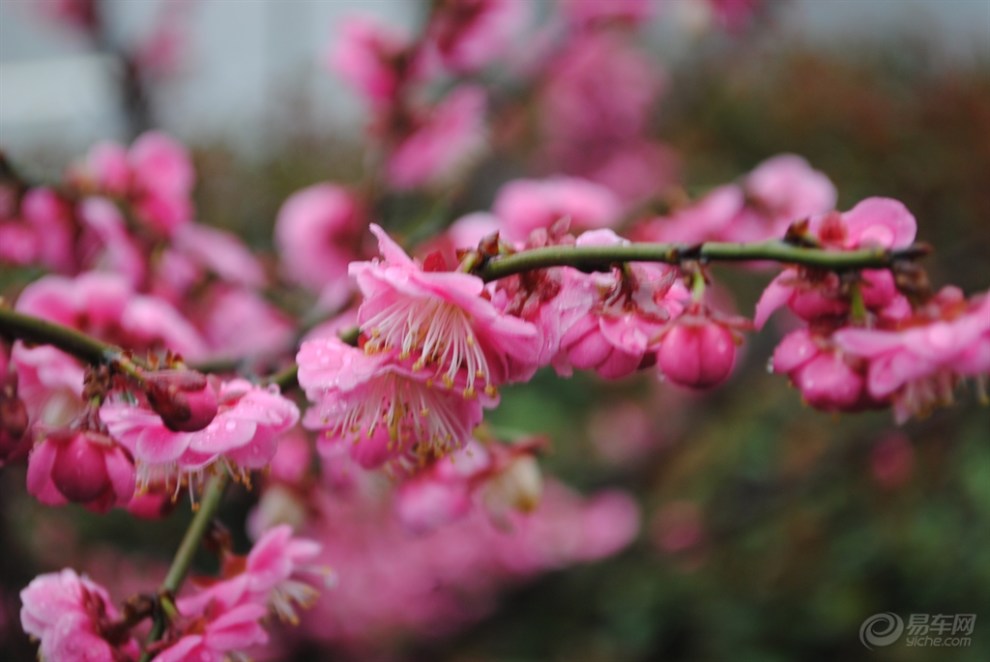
881	630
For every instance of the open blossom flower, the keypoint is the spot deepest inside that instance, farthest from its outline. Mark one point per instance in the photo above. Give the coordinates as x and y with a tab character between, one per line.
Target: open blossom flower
525	205
469	34
316	233
387	409
442	320
282	570
80	466
72	615
243	434
918	364
443	139
874	222
216	624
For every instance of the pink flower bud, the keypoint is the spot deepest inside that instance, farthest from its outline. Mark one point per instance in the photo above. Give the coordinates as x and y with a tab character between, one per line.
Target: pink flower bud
185	399
827	382
697	355
81	466
79	471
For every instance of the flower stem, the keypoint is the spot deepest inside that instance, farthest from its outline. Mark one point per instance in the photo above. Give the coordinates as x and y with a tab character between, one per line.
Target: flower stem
17	326
184	555
601	258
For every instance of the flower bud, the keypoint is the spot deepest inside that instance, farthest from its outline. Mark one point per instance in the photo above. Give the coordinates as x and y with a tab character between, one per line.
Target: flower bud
185	399
697	355
79	471
81	466
828	383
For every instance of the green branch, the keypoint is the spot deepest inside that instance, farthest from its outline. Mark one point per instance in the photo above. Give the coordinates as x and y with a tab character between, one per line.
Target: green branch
602	258
17	326
184	556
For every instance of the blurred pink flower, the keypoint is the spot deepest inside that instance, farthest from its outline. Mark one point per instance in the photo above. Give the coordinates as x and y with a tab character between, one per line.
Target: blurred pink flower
523	205
370	57
241	323
156	176
43	233
589	12
470	34
317	233
452	573
223	253
78	14
778	192
442	141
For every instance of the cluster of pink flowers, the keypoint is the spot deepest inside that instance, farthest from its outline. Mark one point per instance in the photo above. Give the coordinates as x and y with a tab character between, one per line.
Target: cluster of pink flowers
865	345
75	619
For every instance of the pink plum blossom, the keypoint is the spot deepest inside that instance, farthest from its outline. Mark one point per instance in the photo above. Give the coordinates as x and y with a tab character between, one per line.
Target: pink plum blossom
778	192
77	14
81	467
220	252
43	233
441	320
369	56
527	204
608	322
239	322
442	141
316	234
452	573
385	409
470	34
242	435
281	570
873	223
503	478
156	177
72	616
917	365
216	624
